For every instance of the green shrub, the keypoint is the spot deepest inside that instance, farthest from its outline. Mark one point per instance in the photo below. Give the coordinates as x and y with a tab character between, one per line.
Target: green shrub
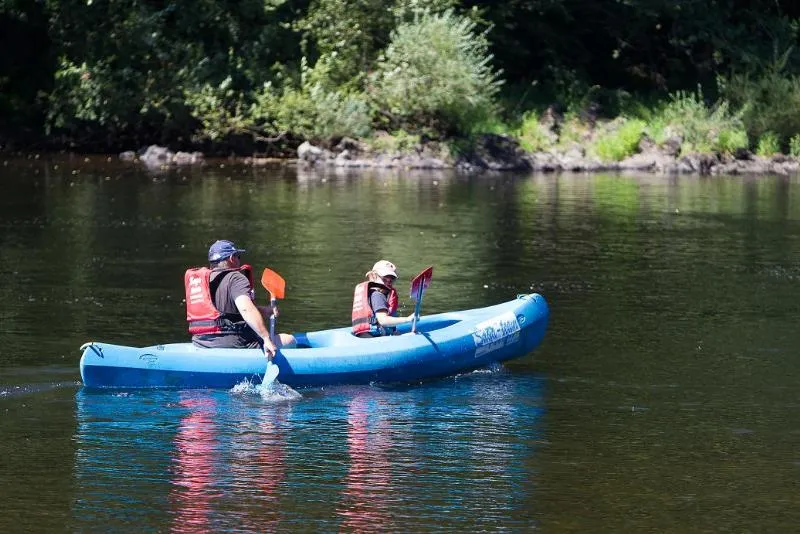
771	102
621	143
78	95
310	111
219	109
149	67
491	124
794	145
351	33
436	73
532	136
398	141
573	131
703	128
657	128
768	144
315	110
338	114
314	113
731	140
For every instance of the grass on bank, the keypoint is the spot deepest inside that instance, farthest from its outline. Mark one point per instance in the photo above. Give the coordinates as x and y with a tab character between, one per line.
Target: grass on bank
768	144
620	143
794	146
685	119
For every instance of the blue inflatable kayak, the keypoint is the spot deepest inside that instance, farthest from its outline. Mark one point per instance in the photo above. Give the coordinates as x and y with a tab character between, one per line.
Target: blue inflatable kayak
445	344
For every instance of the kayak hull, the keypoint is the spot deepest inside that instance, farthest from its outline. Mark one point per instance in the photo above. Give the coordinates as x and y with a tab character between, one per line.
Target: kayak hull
446	344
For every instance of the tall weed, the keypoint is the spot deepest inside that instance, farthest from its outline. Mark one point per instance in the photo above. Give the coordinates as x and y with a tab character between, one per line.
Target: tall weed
794	145
768	144
702	128
398	141
532	136
771	102
618	144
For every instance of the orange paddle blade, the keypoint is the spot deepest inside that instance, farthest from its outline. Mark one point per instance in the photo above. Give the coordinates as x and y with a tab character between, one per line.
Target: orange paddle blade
273	283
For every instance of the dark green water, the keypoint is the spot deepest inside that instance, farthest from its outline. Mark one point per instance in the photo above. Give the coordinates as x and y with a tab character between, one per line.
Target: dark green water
663	399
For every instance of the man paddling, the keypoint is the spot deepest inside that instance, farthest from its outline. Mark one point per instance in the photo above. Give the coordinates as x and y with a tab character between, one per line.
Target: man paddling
220	304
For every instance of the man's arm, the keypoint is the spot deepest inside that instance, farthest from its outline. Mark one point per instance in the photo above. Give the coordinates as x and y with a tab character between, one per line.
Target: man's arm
253	317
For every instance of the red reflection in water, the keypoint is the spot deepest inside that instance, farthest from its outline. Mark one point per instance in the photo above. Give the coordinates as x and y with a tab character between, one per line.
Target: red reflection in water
194	461
259	469
364	506
272	457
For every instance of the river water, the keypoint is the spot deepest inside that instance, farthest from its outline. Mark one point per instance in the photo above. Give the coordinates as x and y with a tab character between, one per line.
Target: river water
663	398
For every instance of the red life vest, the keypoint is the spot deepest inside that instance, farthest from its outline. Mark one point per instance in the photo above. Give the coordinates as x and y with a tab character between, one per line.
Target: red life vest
202	314
363	316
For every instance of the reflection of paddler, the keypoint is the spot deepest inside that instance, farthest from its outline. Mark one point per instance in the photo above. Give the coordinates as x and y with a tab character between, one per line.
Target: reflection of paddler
271	473
272	461
368	482
259	469
194	462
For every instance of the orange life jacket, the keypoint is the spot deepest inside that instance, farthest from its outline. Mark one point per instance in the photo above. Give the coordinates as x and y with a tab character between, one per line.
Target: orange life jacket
363	315
202	314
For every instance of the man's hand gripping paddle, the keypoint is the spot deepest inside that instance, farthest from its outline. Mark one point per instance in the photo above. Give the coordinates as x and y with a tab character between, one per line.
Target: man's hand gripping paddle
275	286
418	286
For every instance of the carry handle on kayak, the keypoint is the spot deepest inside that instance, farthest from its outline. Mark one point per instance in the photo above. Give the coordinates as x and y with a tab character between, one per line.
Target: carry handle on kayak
276	287
418	286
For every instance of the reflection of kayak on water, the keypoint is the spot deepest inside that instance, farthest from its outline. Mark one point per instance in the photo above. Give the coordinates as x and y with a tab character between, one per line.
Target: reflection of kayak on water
368	489
178	461
445	344
183	460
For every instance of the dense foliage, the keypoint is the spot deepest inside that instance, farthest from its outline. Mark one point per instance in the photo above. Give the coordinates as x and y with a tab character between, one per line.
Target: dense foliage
113	73
446	85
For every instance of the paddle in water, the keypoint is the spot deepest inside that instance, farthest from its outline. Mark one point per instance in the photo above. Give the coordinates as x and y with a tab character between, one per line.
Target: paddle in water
275	286
418	286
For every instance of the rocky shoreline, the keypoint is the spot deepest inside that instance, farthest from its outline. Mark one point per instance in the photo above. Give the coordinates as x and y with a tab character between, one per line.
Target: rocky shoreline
491	152
501	153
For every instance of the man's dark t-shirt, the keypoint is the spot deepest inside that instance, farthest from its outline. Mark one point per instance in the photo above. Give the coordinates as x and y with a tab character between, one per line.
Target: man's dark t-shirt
232	286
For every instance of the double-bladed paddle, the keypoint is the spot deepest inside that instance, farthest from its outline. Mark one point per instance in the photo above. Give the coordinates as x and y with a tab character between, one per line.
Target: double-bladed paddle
418	286
275	286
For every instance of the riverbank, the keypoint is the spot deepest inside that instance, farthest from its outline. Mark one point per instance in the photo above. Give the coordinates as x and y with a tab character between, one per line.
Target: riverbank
547	143
402	78
502	153
493	152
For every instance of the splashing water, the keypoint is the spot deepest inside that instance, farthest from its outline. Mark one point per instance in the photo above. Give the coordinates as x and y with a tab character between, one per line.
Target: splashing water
274	392
493	368
277	392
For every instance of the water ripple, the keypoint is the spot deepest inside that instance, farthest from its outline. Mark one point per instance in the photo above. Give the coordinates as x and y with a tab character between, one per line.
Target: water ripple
367	458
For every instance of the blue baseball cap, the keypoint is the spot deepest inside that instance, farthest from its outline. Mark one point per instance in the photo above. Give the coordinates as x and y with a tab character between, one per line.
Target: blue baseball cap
222	250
